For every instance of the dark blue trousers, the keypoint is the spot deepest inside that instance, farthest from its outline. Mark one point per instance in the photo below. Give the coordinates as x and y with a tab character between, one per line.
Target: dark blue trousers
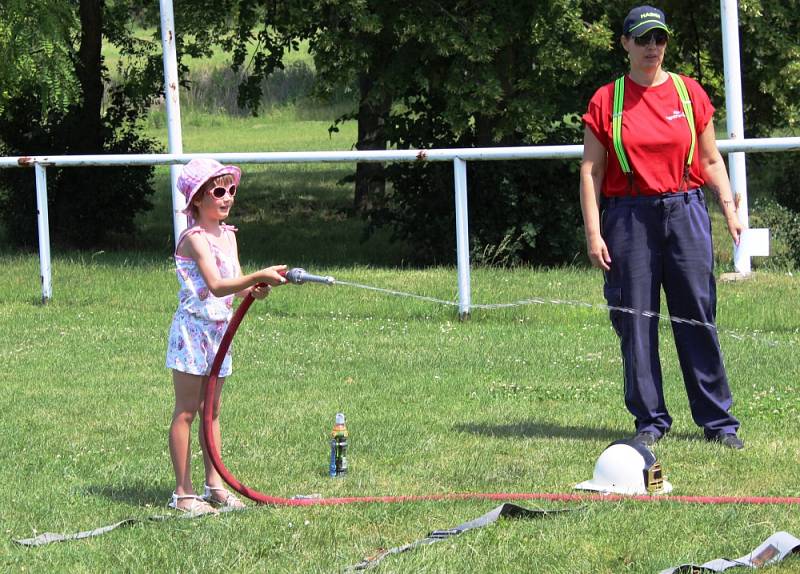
657	242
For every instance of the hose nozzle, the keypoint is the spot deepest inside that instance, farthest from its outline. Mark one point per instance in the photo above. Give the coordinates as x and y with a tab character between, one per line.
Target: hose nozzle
298	276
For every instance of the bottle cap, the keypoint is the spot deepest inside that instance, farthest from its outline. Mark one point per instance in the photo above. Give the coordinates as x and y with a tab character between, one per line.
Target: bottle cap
340	418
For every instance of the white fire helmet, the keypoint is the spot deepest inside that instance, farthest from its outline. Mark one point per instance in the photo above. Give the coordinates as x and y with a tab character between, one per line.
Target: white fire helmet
627	467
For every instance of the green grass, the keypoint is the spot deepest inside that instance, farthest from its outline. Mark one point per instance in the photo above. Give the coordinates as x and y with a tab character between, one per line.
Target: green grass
515	400
287	128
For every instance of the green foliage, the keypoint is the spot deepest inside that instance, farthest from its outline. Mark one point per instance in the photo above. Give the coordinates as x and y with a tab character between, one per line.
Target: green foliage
509	74
504	199
258	35
769	40
772	179
216	90
784	226
775	175
785	169
36	52
485	74
88	207
504	74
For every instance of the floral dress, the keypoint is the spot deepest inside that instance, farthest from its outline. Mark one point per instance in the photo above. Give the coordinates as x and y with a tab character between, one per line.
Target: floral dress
201	319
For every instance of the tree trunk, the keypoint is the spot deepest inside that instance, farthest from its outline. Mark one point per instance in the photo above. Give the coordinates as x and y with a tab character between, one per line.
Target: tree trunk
84	125
89	70
372	115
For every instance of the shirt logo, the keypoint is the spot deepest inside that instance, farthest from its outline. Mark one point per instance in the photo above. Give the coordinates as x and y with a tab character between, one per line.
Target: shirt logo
676	114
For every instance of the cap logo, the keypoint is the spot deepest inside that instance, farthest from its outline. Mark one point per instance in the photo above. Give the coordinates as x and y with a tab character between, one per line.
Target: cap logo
650	15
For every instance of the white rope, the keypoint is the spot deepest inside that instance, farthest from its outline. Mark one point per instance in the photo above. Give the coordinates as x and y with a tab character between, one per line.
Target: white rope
566	302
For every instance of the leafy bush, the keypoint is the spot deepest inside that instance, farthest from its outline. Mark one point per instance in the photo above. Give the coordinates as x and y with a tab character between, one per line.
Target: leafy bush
520	211
773	177
784	225
87	206
776	175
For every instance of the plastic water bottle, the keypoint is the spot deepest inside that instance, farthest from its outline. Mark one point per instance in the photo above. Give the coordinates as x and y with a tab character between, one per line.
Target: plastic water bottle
338	464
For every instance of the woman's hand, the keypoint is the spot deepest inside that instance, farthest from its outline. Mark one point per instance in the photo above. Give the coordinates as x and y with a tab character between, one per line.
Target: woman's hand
598	252
734	225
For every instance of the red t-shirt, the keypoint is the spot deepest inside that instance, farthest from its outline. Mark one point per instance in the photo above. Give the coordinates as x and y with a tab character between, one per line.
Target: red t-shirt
655	136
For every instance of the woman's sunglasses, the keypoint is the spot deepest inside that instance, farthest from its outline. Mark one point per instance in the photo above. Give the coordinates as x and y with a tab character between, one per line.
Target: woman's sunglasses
219	192
660	36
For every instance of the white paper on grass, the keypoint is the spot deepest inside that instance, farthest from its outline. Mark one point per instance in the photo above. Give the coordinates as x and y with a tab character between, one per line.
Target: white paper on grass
753	243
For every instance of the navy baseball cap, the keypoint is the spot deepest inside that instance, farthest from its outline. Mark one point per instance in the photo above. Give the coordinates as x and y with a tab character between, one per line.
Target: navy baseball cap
642	19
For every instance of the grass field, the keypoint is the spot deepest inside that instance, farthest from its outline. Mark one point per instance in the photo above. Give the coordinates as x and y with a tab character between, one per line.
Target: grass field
514	400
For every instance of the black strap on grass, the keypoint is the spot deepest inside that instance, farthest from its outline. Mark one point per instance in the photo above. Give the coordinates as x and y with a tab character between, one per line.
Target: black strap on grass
507	510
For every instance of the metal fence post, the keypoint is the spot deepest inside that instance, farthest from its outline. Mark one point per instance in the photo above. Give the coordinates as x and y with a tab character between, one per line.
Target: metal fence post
173	103
43	221
735	116
462	237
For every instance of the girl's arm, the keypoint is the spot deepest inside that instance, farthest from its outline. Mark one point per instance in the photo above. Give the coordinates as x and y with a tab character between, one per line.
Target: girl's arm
255	290
593	170
716	178
198	249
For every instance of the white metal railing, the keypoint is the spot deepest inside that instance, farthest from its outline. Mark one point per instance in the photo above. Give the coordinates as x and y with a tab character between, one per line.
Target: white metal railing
459	157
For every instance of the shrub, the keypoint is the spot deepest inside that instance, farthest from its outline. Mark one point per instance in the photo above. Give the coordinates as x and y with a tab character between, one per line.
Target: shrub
776	175
784	225
87	206
519	211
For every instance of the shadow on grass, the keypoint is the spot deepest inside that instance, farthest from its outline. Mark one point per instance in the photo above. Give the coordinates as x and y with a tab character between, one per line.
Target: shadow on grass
548	430
686	436
543	430
140	494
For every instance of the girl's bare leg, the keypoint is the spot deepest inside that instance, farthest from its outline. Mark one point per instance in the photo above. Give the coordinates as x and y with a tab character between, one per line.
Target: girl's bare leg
187	403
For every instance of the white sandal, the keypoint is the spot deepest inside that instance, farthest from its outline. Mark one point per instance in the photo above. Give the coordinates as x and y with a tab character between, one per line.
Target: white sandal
198	507
229	502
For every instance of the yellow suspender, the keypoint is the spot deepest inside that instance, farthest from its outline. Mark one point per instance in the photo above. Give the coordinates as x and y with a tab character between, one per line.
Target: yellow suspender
616	121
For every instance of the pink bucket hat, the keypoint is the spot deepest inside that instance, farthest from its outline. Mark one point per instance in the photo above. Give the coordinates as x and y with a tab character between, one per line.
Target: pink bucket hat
197	172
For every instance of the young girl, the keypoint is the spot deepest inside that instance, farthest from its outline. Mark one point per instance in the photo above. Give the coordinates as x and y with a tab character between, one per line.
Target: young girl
207	262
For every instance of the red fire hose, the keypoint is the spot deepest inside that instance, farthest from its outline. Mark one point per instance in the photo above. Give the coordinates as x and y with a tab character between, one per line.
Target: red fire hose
260	497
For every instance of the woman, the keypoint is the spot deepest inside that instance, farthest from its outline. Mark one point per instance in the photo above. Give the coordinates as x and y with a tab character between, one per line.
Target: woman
647	226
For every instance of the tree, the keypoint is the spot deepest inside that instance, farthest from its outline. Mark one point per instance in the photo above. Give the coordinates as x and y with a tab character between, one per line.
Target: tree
358	44
462	73
500	73
87	205
353	43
